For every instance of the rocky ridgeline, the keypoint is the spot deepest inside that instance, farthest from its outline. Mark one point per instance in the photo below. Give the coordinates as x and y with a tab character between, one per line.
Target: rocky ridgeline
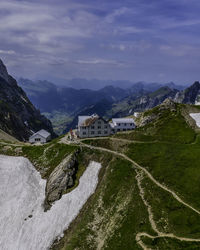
190	95
147	117
18	116
61	179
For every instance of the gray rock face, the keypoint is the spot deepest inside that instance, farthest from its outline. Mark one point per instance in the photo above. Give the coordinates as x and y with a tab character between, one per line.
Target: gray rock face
61	179
168	104
18	116
144	119
190	95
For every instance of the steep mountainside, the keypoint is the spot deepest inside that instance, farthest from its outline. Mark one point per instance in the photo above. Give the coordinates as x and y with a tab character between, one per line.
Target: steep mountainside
191	95
18	117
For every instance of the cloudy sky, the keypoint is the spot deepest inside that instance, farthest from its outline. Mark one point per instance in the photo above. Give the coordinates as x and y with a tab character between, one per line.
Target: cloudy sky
137	40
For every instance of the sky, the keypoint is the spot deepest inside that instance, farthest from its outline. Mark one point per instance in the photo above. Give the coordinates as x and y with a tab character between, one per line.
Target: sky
136	40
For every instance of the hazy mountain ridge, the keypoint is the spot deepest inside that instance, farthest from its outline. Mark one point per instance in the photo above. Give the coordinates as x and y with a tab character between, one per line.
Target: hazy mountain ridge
67	103
49	97
18	116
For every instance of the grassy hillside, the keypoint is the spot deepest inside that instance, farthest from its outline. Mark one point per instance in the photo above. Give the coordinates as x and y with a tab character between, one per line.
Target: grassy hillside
169	149
129	210
113	215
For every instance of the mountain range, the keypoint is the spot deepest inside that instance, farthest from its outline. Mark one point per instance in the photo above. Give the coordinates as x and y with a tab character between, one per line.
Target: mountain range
62	105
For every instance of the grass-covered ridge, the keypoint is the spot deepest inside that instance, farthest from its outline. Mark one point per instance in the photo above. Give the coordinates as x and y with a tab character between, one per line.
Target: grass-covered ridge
166	125
169	149
46	157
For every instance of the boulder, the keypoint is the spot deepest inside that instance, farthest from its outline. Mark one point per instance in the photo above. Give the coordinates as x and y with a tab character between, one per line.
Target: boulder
61	179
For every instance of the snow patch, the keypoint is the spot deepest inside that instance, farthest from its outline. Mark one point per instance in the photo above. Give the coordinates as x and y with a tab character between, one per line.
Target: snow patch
196	117
23	223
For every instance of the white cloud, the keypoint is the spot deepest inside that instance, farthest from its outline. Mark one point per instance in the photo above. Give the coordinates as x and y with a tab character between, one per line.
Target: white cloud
180	50
128	30
110	18
98	61
140	46
7	52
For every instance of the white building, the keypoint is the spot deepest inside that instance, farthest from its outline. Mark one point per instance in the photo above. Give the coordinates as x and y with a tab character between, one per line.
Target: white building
41	136
122	124
92	126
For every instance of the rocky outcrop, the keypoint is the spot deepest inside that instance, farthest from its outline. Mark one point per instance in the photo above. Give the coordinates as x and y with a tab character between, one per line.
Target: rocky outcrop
168	104
147	117
18	116
143	119
61	179
190	95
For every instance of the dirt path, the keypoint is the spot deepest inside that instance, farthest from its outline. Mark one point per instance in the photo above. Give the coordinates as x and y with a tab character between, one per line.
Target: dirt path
65	140
12	144
140	171
116	139
144	170
139	178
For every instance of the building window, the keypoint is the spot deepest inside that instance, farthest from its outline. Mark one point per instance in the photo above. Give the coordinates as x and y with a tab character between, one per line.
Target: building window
84	133
105	132
118	129
37	139
124	129
99	132
92	132
83	127
99	122
99	127
119	124
124	124
105	126
92	127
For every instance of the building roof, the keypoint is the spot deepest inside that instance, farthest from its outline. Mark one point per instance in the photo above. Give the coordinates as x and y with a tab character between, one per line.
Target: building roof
82	118
122	120
87	120
45	134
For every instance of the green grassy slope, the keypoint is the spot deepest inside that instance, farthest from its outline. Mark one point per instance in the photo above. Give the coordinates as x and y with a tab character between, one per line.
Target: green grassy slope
113	215
169	149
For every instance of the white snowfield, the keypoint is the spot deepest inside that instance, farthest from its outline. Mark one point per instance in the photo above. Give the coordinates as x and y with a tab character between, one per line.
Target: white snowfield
22	192
196	117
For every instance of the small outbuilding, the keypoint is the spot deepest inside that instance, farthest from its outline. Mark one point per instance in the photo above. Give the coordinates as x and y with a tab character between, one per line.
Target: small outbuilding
41	136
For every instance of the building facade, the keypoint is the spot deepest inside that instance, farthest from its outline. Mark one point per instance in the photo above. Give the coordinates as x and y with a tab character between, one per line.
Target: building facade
41	136
122	124
92	126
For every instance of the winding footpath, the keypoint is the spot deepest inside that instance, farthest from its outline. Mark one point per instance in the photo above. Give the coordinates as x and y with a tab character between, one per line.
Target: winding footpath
140	171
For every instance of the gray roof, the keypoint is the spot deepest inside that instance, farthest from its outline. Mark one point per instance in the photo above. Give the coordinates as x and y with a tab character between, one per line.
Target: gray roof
42	133
82	118
122	120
